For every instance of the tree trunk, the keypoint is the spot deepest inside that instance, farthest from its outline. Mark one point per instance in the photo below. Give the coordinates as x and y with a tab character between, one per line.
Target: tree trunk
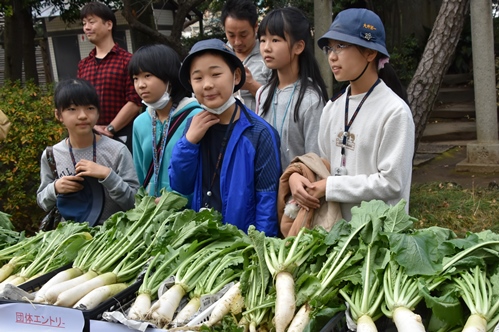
437	57
13	44
28	44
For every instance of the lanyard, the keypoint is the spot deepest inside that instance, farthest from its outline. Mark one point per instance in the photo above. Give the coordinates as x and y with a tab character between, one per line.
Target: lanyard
159	151
223	146
94	145
274	112
348	124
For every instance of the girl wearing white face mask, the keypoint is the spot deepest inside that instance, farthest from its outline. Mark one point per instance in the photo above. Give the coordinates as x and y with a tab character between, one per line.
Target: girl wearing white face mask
154	72
229	156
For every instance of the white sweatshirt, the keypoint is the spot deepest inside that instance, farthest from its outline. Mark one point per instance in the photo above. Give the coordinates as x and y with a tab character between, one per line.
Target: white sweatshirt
379	150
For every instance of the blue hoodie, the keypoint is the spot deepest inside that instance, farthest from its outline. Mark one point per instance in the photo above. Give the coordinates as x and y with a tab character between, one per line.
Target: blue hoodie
249	175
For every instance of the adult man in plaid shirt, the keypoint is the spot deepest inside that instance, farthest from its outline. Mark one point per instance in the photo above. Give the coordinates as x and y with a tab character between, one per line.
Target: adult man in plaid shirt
106	68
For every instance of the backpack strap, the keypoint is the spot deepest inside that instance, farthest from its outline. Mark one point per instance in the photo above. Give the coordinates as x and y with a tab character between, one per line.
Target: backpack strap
51	161
173	128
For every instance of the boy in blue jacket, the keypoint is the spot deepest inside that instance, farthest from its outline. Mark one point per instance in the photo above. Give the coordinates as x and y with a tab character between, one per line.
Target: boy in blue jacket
229	157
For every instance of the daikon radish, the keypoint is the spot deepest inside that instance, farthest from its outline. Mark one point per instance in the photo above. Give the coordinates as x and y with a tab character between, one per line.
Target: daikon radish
187	312
475	323
99	295
69	297
407	321
53	292
301	319
6	270
17	281
365	324
140	307
285	300
162	311
283	257
231	301
57	279
243	322
6	281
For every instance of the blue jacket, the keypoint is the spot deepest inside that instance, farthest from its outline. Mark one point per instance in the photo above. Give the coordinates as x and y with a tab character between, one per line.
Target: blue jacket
249	176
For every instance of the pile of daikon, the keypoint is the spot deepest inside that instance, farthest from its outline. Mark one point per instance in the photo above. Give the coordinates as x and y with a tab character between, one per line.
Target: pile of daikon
115	256
42	253
374	265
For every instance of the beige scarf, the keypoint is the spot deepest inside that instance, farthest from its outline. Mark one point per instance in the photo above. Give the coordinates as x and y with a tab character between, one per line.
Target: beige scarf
313	168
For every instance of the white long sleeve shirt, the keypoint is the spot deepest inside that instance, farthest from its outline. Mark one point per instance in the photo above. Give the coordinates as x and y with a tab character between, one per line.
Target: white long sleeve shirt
379	151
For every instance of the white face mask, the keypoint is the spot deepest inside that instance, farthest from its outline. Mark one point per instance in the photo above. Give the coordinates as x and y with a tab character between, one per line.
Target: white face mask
161	102
220	109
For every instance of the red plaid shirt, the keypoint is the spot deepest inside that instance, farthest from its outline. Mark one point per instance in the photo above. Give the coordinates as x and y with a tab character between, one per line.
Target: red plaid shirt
111	80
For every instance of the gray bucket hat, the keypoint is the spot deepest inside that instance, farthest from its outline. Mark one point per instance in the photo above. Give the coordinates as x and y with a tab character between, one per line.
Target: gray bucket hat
357	26
215	45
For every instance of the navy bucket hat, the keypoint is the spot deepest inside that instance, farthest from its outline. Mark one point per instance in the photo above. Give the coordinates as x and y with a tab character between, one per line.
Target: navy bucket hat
357	26
212	45
83	205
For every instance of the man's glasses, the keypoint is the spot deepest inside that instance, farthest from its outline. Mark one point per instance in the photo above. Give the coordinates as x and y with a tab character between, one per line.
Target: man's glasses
336	49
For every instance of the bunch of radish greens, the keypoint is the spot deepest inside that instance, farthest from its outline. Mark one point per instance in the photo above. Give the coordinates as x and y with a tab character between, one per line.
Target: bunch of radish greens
115	256
375	265
42	253
384	267
202	256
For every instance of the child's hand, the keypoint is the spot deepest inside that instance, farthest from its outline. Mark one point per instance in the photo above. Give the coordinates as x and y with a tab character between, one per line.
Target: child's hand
303	191
101	129
89	168
68	184
200	123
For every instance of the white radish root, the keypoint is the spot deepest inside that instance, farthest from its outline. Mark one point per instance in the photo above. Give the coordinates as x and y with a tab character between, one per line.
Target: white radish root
366	324
475	323
18	280
243	322
53	292
162	311
57	279
140	307
6	270
301	319
406	320
285	305
69	297
231	301
184	315
99	295
7	281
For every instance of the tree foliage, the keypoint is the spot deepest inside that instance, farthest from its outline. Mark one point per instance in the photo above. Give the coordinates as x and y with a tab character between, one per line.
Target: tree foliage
34	126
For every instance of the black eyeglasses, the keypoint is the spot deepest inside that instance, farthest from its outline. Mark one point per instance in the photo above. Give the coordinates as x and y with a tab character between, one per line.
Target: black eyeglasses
336	49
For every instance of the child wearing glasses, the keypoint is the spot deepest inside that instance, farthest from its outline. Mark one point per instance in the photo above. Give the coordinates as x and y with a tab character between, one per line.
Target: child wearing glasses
367	133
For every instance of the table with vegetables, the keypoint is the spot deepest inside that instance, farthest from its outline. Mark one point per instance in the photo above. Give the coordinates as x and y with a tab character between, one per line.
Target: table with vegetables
163	267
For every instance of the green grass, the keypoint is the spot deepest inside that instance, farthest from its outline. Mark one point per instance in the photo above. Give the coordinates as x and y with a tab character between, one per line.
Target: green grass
451	206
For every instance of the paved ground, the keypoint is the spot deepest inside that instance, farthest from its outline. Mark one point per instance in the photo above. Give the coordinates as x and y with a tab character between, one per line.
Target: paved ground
436	161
